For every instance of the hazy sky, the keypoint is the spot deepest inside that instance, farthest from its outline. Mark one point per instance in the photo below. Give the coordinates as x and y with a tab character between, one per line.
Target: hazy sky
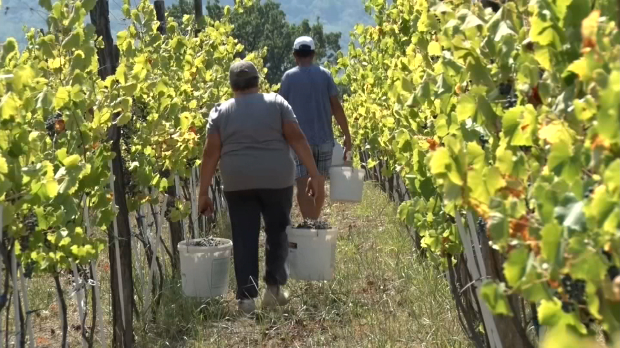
336	15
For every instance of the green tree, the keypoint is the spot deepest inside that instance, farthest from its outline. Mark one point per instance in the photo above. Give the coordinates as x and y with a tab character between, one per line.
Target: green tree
264	24
177	11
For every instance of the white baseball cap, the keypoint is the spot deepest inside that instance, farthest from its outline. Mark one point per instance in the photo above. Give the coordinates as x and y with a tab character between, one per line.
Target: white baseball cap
304	43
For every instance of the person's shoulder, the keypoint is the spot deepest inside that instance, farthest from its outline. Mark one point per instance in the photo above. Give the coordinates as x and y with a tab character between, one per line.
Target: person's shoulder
275	98
324	70
290	72
219	108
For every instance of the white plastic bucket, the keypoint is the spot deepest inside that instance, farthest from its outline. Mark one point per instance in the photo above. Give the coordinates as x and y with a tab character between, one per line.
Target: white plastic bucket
338	155
204	270
346	184
311	253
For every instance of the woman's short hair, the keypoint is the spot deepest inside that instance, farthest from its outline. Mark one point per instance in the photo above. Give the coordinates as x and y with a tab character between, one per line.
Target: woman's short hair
244	84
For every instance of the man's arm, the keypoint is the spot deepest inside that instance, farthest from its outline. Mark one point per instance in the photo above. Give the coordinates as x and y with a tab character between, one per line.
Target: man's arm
341	119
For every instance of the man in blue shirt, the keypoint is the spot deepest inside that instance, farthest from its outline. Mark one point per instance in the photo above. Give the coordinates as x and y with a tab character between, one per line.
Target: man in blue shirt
313	95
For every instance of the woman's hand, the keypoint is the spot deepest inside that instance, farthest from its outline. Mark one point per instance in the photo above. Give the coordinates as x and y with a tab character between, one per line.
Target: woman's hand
315	185
205	205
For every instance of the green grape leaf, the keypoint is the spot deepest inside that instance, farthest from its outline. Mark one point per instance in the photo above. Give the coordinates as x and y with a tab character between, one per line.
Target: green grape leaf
611	175
71	161
88	5
51	187
46	4
550	313
551	237
590	266
466	107
4	168
498	224
503	30
515	266
557	131
434	49
608	117
62	97
495	298
123	119
73	41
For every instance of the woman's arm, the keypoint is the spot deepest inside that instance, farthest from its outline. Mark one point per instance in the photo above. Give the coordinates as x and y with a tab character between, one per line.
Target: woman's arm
297	140
210	159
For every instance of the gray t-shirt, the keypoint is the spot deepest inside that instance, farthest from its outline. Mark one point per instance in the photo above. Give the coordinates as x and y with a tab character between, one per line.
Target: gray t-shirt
307	90
255	154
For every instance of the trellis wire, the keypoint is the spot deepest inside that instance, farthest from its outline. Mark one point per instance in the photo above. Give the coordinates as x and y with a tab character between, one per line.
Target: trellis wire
194	204
79	297
155	251
178	195
24	287
147	234
17	317
116	245
97	285
140	246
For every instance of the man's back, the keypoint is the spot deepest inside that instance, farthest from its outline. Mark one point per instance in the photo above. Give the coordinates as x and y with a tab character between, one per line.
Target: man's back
308	90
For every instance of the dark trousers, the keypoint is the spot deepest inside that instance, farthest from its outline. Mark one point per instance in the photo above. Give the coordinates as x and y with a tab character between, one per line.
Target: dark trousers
245	209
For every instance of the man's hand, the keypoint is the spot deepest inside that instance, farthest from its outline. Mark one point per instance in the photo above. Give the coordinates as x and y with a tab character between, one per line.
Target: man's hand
315	185
347	147
205	205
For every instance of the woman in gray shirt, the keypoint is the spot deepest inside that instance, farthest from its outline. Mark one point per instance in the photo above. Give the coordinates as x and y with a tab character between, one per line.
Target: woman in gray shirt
251	136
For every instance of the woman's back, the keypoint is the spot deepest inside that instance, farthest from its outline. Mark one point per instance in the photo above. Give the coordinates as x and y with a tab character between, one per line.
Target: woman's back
254	153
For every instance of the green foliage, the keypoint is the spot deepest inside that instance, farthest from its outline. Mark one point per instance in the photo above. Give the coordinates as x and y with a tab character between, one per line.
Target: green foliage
55	113
263	24
514	115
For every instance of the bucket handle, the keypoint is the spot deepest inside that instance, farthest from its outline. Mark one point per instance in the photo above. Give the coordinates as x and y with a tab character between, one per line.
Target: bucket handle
348	161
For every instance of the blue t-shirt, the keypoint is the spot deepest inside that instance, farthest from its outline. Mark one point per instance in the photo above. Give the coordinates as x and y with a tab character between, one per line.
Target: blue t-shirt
308	90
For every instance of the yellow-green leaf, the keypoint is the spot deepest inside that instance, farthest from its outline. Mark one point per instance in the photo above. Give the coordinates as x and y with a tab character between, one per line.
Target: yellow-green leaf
62	97
71	161
434	49
4	168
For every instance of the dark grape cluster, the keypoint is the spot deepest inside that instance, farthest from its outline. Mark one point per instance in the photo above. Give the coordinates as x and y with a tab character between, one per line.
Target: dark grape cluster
29	269
191	162
484	141
613	271
588	192
314	224
505	89
510	102
481	225
30	222
575	289
526	149
450	219
131	188
50	125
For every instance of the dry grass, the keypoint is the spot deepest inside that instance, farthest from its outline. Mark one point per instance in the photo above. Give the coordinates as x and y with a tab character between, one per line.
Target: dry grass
382	296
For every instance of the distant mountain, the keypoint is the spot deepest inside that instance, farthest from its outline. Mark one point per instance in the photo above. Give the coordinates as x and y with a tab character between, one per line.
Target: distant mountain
336	15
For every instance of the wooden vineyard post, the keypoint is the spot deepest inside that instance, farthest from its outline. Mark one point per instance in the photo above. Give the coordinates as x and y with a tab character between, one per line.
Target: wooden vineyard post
174	227
121	276
2	265
24	290
473	266
17	318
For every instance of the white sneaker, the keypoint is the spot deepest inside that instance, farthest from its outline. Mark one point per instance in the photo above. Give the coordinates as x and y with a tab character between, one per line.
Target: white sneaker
274	296
247	306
